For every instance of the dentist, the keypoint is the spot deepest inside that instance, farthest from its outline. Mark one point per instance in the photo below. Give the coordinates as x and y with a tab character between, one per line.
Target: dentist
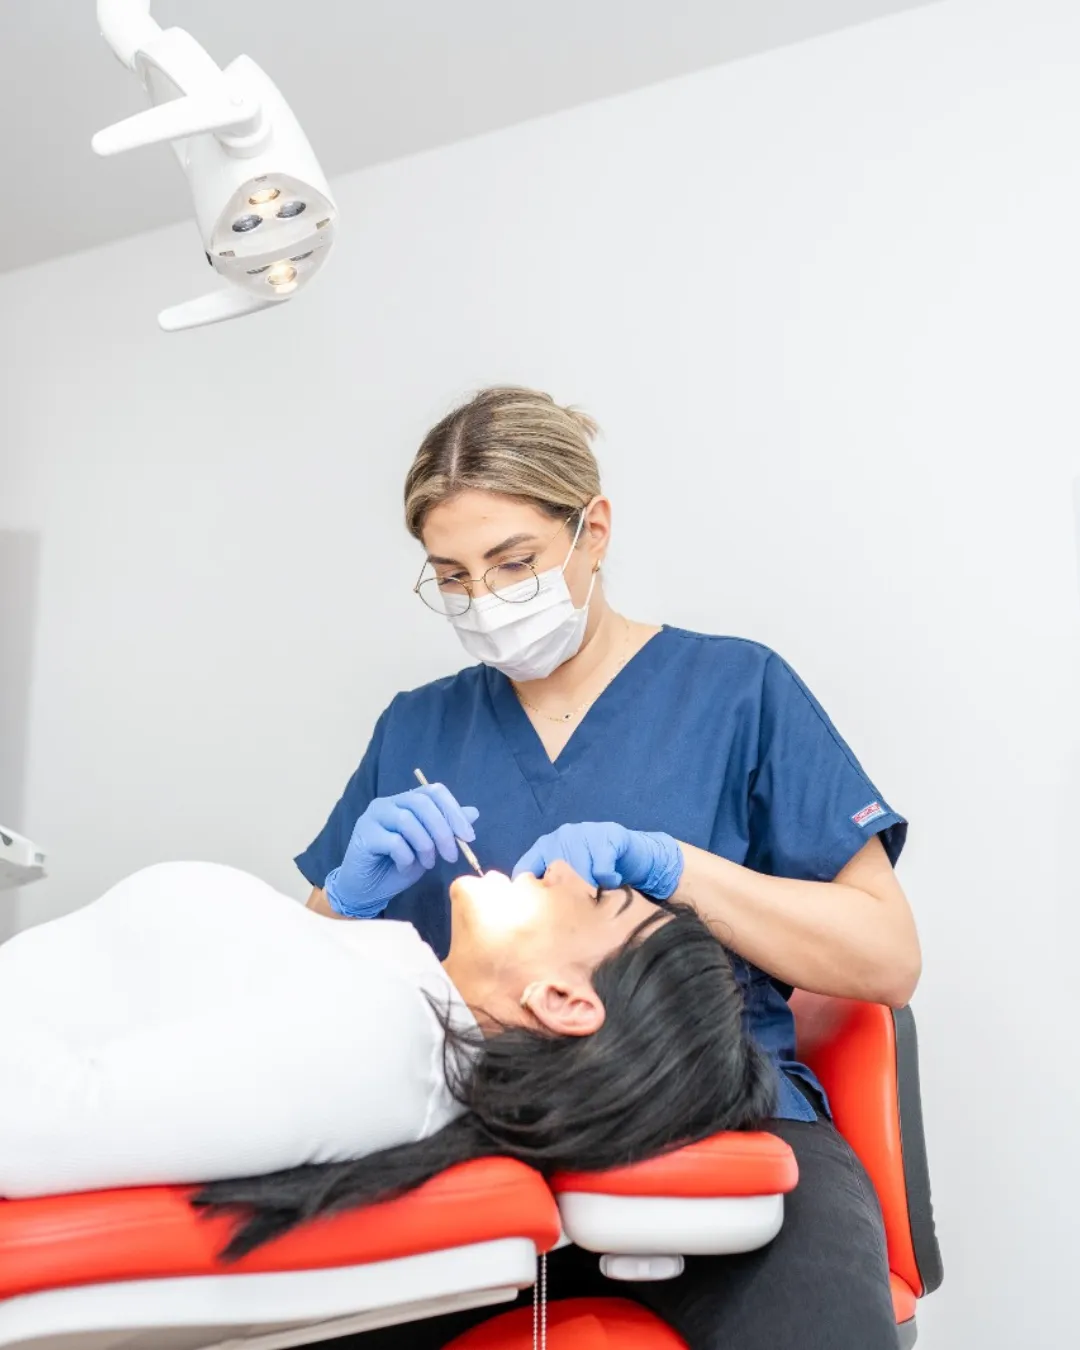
716	778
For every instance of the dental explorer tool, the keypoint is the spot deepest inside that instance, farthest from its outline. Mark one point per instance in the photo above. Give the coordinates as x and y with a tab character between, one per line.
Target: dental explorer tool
466	851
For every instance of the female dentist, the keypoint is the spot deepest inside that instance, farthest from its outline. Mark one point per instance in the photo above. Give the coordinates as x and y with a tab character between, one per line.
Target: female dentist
720	781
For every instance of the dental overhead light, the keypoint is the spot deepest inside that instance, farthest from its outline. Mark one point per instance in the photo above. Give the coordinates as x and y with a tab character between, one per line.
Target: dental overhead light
263	207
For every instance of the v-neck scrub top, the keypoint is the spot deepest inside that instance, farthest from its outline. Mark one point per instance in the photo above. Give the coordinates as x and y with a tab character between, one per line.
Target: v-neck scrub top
714	740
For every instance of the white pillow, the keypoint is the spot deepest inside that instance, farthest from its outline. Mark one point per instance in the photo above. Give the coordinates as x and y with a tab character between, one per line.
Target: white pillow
195	1024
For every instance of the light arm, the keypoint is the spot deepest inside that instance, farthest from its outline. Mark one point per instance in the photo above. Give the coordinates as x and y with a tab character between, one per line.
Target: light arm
170	62
215	307
127	27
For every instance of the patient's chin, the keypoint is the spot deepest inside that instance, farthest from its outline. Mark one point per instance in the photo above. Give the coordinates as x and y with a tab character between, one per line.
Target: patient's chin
471	887
494	904
467	900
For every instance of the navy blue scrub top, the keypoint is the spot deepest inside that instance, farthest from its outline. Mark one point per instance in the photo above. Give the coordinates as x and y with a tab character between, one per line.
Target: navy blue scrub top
714	740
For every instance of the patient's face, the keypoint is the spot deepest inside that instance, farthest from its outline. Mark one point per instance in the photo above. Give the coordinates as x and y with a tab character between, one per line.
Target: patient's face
557	915
552	931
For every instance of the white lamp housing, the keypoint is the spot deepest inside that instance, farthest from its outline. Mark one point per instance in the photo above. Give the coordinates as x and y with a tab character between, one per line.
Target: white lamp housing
20	861
262	204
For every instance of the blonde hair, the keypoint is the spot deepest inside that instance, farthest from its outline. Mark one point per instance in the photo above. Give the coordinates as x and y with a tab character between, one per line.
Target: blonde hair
517	442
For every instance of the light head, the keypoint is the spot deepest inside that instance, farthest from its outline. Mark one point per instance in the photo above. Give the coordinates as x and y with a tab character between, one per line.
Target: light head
262	204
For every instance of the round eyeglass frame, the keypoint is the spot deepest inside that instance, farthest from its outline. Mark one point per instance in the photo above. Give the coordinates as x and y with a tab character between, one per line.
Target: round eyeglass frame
452	604
467	584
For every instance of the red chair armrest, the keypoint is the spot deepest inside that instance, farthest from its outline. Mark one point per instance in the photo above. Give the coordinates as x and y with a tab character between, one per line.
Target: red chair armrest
731	1164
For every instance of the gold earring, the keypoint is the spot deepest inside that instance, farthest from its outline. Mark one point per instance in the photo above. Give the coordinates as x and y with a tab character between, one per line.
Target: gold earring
530	989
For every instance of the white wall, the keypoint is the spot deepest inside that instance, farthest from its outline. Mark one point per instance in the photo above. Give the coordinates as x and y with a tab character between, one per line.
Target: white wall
824	303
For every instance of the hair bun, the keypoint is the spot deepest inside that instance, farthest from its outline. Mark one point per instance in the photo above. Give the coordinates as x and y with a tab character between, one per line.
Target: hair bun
586	424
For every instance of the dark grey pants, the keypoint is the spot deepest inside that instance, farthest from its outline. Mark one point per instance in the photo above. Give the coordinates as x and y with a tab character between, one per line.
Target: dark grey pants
823	1283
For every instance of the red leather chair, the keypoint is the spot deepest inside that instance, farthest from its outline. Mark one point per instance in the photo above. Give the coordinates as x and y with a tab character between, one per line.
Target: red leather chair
139	1268
866	1058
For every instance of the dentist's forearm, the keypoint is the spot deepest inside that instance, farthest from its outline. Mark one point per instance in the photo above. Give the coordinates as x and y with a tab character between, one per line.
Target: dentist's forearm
831	937
318	903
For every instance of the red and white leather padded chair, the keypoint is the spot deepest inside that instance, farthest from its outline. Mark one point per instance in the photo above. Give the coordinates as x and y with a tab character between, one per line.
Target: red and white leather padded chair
138	1268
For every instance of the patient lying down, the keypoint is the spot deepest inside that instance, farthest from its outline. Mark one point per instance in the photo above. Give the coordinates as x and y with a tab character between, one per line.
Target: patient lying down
193	1025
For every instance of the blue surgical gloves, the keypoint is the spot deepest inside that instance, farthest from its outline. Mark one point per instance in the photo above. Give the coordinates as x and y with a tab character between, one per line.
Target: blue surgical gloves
611	856
393	844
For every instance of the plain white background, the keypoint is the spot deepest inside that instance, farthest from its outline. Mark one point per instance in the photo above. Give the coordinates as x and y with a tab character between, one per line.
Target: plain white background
824	304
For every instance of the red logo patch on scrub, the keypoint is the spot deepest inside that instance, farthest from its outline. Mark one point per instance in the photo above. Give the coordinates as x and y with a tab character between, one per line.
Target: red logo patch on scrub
868	813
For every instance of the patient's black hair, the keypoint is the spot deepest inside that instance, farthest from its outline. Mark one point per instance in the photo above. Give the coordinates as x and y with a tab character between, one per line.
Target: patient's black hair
670	1064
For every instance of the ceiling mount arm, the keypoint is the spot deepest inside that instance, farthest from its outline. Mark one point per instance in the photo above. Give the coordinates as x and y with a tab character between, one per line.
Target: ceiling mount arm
127	27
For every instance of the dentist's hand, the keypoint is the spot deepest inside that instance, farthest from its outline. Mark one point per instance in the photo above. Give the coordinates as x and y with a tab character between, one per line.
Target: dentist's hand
610	856
393	844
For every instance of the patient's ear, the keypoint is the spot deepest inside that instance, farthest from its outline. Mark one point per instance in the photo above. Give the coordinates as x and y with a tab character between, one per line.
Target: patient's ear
564	1009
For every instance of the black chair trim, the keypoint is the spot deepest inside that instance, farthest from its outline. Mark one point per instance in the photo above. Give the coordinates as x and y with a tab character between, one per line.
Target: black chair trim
913	1142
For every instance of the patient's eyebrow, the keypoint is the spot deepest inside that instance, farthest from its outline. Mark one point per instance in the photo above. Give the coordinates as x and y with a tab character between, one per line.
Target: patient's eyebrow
628	894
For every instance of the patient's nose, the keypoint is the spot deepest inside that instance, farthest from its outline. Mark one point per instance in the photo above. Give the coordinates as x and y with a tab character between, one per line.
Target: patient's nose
560	873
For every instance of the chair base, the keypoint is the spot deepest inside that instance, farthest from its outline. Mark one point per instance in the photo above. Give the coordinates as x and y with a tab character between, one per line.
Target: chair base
267	1311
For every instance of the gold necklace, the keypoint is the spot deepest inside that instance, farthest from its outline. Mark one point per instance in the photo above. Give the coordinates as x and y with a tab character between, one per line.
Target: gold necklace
562	718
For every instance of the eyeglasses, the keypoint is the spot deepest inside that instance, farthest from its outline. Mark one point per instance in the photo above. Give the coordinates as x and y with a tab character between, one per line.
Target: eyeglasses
514	583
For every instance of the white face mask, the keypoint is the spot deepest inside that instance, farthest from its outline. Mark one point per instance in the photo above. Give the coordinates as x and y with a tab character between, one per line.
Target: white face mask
528	639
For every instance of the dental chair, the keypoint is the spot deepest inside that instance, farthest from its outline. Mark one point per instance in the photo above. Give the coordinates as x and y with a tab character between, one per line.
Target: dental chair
866	1058
138	1268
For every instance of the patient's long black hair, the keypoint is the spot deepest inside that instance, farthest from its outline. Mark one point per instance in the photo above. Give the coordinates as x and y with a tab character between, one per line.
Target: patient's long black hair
670	1064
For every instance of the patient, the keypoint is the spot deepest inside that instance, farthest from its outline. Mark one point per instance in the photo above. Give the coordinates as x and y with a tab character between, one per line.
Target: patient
194	1025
